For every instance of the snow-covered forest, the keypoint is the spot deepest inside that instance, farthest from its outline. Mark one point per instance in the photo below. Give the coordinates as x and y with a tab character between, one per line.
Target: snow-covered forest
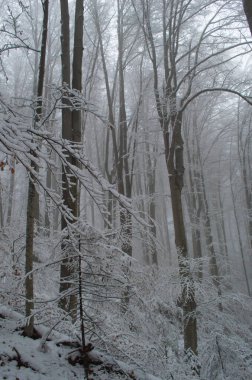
126	189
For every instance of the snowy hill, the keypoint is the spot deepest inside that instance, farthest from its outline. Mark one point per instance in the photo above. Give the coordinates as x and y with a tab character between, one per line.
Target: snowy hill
23	358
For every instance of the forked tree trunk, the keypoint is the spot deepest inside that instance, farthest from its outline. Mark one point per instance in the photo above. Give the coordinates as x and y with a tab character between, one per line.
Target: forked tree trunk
71	131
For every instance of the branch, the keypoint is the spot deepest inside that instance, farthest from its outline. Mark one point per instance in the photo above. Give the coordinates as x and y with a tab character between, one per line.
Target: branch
247	99
215	54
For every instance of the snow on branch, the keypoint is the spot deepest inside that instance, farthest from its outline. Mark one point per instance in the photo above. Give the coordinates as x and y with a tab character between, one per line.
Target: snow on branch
28	141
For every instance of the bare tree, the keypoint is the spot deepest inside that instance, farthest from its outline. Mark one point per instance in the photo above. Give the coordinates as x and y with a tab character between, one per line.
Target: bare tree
71	131
32	193
170	119
122	167
179	67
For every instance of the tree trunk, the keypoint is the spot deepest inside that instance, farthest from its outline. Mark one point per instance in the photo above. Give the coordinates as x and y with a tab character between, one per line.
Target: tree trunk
171	121
188	298
151	186
11	191
111	122
71	131
247	189
247	5
65	270
1	209
175	166
141	208
124	183
213	264
239	237
29	303
47	201
152	213
32	193
194	204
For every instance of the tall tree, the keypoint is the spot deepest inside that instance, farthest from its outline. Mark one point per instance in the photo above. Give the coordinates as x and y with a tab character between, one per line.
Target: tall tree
111	128
124	177
122	168
186	54
32	193
71	131
170	118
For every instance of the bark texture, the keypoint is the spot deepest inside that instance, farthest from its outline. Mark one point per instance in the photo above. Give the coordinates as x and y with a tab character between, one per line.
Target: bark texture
247	5
32	202
175	166
71	131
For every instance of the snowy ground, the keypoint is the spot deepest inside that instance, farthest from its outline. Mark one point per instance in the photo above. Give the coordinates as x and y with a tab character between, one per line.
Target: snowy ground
22	358
48	365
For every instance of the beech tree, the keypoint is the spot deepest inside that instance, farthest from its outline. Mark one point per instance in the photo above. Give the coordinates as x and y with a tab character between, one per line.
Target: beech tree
184	59
149	67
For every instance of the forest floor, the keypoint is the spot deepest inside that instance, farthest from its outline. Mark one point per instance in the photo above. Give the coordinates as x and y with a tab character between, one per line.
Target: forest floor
23	358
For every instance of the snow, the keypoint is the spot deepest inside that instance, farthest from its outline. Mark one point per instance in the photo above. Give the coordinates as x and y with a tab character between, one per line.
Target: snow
50	365
46	361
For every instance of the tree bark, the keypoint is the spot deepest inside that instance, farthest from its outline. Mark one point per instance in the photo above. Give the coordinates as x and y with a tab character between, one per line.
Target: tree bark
151	188
240	243
175	166
124	183
29	303
213	264
32	193
11	192
1	209
111	173
65	271
193	202
247	6
71	131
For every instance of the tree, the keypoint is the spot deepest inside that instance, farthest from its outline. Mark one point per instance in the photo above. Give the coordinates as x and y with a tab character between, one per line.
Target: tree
193	200
187	61
186	55
71	131
248	12
32	193
170	119
123	157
